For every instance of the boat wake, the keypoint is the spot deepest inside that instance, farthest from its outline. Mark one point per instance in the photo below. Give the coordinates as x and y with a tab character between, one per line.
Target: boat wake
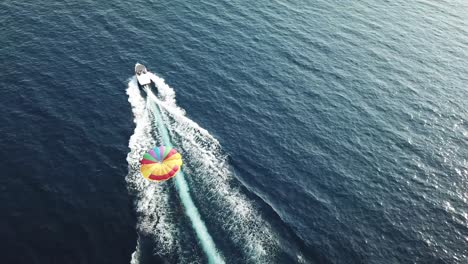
235	223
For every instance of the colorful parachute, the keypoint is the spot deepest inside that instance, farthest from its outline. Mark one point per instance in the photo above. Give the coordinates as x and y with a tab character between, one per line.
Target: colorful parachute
160	164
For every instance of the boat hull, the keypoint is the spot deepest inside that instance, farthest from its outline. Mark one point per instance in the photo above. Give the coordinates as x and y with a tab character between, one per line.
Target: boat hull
142	74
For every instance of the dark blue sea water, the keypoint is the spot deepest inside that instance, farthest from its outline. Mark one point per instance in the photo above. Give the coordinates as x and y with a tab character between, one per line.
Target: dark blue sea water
312	131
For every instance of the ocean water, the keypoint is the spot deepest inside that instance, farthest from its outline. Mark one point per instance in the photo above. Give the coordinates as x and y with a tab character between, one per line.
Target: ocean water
312	131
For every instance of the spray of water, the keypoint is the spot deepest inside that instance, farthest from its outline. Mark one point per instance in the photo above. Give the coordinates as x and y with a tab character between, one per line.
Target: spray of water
213	183
191	210
152	201
155	215
206	176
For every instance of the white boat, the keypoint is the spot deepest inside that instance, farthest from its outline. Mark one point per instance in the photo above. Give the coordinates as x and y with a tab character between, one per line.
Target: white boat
143	75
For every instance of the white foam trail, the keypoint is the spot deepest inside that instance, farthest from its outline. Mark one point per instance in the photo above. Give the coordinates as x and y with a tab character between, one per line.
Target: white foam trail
212	179
136	255
152	201
191	210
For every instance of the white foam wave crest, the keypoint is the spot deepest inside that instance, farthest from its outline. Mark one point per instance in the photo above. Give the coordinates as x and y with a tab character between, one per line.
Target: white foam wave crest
212	182
152	200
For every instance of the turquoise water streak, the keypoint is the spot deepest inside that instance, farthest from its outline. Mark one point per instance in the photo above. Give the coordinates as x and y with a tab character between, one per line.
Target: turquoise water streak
182	187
